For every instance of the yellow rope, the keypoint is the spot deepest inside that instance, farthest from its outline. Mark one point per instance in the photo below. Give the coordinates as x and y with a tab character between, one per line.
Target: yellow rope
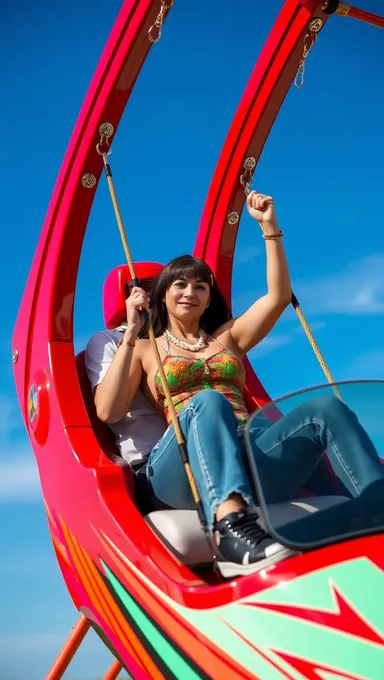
296	306
120	225
151	335
313	344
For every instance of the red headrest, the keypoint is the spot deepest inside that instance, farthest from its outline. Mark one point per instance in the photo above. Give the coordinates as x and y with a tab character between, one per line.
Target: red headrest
115	290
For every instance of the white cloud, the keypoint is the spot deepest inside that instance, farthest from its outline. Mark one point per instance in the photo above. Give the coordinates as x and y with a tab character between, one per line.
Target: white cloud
358	289
276	340
10	416
19	478
44	641
38	566
29	654
269	344
29	642
367	365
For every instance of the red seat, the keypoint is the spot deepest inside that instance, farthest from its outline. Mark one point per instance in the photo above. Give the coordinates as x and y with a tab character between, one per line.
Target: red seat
115	290
103	434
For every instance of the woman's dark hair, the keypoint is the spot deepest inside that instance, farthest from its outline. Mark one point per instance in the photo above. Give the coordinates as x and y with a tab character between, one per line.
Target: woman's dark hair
187	266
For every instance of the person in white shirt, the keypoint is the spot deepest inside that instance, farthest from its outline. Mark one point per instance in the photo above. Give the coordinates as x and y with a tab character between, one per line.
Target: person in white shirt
141	428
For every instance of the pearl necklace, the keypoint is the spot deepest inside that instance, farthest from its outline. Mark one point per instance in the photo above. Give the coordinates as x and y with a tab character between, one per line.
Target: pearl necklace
196	347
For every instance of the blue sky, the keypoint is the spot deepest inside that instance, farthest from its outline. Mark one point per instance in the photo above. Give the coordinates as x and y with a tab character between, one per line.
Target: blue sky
322	163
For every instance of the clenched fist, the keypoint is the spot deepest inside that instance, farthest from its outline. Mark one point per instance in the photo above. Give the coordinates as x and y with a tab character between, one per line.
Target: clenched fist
262	209
136	303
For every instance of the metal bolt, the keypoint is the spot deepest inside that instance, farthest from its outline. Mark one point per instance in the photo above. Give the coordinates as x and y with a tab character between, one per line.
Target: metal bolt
233	218
15	356
106	130
315	25
88	180
250	163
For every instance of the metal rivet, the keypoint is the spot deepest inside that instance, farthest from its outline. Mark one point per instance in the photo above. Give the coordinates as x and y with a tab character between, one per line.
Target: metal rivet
233	218
250	163
15	356
88	180
315	25
106	130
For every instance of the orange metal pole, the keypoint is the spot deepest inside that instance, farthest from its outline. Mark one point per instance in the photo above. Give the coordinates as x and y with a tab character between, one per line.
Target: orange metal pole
346	10
68	651
114	671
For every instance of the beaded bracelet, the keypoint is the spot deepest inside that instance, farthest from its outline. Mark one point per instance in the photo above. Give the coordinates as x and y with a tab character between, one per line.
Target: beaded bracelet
271	237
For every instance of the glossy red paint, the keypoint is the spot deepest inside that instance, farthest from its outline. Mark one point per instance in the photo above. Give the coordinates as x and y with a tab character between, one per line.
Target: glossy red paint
82	486
115	290
363	15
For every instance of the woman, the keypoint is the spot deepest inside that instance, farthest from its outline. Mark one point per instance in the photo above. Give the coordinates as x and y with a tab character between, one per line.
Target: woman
202	348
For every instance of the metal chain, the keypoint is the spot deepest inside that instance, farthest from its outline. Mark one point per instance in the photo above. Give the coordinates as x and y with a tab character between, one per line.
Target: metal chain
309	41
155	32
246	178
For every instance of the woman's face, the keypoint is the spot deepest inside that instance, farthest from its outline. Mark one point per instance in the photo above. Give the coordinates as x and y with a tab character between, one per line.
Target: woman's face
187	298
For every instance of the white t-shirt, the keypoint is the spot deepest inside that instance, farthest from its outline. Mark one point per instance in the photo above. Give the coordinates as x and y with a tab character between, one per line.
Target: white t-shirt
138	432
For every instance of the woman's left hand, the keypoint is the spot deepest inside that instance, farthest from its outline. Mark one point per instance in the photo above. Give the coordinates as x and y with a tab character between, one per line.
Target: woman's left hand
262	209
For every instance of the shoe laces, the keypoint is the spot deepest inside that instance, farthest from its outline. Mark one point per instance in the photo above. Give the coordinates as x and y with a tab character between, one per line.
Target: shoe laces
247	529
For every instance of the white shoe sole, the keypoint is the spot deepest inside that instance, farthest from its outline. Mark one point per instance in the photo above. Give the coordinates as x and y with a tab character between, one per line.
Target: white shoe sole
230	569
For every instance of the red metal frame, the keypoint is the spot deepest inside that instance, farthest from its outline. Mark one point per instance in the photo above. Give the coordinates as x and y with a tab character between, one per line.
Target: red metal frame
360	14
69	649
114	671
258	108
86	495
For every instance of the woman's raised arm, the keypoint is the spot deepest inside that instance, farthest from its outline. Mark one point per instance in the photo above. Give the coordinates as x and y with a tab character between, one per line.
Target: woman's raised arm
251	327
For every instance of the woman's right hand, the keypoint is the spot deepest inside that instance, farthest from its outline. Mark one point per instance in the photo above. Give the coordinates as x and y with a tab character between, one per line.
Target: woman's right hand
135	304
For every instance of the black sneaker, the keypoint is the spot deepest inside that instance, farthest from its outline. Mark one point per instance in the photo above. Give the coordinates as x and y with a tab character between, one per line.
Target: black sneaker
244	546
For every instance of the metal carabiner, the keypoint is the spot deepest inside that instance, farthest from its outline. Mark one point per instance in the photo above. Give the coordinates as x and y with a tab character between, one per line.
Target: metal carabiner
158	25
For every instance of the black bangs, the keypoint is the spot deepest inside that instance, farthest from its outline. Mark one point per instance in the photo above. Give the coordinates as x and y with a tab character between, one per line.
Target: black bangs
186	266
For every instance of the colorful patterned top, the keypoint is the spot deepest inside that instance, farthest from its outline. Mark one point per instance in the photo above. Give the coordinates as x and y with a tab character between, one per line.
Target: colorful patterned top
222	371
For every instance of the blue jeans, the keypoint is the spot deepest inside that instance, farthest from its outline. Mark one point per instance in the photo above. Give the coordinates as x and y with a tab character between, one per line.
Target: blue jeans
286	452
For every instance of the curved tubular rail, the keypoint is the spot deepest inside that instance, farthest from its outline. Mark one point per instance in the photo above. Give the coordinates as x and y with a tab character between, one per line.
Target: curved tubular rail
345	10
48	299
265	92
57	256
